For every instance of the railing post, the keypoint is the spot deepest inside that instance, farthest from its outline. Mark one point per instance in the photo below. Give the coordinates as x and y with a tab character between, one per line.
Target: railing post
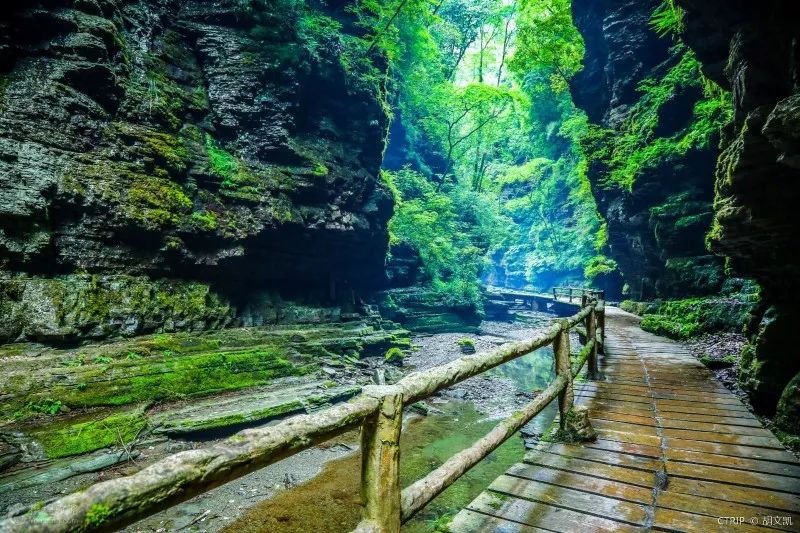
570	295
564	368
591	336
555	293
600	308
380	462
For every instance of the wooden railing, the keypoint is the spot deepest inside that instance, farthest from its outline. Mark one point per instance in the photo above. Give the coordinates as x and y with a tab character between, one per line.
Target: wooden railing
578	293
379	411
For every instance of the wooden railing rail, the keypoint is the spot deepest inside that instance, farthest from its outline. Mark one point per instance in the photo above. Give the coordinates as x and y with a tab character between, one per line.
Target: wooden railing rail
378	410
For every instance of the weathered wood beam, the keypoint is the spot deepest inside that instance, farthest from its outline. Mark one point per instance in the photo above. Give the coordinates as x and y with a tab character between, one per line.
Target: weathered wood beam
583	356
564	369
380	461
420	493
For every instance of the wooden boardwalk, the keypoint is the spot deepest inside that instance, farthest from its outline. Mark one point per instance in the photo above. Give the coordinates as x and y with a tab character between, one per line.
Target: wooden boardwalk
676	451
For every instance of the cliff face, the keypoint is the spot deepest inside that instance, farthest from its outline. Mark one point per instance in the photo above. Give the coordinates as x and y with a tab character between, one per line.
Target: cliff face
232	144
754	50
656	227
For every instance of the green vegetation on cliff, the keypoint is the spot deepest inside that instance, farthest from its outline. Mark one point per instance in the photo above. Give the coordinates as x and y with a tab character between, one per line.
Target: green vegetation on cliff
638	147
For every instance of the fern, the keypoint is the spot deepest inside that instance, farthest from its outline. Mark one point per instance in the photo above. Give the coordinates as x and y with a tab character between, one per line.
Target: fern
667	19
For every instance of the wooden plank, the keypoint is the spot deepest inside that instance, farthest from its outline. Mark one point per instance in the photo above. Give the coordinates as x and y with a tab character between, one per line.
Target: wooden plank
715	399
632	438
587	483
768	499
734	477
568	498
670	520
707	427
749	452
653	452
716	508
624	427
607	457
744	440
639	400
678	418
546	516
696	409
467	521
616	416
616	405
712	404
739	463
580	466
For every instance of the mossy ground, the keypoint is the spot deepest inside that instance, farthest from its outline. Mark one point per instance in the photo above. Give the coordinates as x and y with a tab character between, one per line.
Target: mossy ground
87	433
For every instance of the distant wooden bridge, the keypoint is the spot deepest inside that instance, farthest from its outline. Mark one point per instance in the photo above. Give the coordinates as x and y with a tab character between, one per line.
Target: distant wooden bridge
676	451
561	301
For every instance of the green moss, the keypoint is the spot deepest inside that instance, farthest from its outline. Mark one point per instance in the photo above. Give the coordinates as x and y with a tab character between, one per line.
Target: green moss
155	202
639	308
179	365
166	150
89	433
682	319
96	515
320	170
466	342
234	419
394	356
177	377
44	406
635	148
205	220
237	180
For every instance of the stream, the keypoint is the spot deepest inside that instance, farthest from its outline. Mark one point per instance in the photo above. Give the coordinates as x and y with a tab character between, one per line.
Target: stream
457	418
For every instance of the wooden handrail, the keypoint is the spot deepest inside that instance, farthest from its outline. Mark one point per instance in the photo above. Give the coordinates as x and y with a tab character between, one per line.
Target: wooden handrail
378	409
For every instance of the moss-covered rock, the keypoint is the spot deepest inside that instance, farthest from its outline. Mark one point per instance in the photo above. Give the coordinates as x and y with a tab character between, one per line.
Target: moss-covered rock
787	416
174	366
423	310
682	319
90	432
768	363
82	306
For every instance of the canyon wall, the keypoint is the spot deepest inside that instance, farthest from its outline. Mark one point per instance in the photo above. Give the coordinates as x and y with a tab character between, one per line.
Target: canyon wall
171	161
656	227
753	49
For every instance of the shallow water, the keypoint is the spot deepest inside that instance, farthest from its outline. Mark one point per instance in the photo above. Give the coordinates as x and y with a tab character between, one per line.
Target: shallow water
330	502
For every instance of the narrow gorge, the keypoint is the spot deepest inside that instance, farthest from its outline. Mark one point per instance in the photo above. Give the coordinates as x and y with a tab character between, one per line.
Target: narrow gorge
216	215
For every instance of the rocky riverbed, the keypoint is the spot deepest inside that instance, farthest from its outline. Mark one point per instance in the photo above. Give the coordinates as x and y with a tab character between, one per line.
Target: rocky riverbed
472	406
